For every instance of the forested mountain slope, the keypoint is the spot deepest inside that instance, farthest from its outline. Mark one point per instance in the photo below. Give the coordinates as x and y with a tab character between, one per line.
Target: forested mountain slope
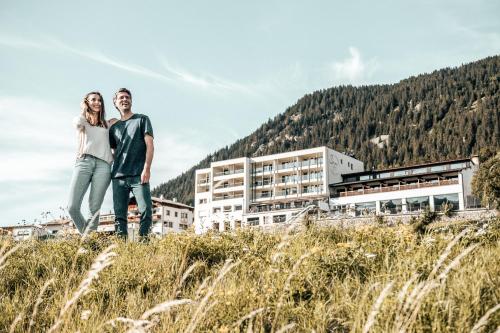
450	113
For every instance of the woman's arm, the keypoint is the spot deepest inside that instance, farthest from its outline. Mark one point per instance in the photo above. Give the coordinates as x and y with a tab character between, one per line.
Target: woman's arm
112	121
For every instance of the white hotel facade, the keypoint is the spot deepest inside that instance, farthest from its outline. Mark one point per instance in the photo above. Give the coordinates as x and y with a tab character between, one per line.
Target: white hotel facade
267	189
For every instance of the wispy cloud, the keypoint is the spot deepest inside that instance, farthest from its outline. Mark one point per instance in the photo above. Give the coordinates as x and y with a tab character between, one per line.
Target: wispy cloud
353	69
170	74
204	81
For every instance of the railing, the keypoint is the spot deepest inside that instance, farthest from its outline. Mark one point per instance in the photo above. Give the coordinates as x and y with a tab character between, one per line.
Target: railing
399	187
310	163
319	191
229	172
257	183
284	193
287	166
273	208
263	196
312	178
228	186
226	197
263	169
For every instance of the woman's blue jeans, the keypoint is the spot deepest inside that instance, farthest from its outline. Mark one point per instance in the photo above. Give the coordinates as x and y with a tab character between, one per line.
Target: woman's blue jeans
96	173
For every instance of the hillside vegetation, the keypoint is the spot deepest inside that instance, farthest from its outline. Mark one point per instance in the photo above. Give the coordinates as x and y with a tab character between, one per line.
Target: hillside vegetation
376	279
450	113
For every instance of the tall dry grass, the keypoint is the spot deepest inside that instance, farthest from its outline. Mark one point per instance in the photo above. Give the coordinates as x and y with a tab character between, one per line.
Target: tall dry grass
371	279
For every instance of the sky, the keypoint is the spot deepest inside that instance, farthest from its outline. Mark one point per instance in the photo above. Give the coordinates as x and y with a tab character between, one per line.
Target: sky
206	72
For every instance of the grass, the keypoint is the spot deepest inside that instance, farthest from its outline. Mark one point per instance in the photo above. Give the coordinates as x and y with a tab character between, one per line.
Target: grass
323	279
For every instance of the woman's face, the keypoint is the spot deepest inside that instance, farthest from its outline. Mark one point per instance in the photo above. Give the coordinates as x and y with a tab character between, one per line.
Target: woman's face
94	102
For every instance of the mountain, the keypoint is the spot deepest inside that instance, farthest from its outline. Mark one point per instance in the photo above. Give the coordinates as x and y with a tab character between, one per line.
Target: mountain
449	113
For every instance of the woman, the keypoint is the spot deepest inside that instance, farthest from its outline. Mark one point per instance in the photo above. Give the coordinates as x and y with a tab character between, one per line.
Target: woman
93	162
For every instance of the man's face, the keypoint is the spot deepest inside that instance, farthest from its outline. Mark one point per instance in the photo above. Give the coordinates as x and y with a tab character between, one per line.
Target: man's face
123	102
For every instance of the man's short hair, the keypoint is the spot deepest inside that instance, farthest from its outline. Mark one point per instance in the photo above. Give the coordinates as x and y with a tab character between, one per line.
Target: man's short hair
125	90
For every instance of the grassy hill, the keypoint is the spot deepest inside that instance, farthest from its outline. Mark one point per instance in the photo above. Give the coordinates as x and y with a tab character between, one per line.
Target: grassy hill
377	279
449	113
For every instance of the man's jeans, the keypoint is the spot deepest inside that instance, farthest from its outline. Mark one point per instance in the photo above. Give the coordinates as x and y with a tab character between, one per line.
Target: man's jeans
121	190
96	173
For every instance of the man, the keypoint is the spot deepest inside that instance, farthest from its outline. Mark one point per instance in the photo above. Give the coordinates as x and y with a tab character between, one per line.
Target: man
131	139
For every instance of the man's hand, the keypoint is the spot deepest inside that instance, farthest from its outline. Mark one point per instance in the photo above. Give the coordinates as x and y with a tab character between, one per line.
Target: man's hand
146	173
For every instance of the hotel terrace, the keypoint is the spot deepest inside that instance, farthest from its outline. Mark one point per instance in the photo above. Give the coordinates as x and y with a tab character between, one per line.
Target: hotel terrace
411	189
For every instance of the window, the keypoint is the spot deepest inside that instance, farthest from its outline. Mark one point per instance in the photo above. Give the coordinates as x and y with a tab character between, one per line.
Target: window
400	173
216	210
168	224
183	226
238	207
438	168
365	208
419	171
417	204
458	166
441	201
394	206
253	221
279	218
168	212
202	201
341	162
176	214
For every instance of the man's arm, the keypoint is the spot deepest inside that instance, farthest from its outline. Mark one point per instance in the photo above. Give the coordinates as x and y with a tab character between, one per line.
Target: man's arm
150	150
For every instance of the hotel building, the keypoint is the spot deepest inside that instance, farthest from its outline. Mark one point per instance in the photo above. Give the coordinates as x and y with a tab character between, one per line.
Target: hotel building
268	189
409	189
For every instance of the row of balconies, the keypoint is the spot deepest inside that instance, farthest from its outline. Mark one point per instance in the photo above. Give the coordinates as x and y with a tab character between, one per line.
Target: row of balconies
289	166
290	193
399	187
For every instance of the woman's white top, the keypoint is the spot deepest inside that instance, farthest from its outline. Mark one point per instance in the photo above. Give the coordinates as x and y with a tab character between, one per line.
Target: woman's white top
92	140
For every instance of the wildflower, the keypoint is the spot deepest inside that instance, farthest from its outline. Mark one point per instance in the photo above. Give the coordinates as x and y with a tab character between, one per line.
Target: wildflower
85	314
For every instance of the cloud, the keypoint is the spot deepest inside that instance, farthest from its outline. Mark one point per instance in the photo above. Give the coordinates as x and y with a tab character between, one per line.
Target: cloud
173	74
204	81
353	69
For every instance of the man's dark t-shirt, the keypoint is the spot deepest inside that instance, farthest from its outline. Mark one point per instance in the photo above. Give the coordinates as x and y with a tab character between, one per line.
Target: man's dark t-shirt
126	137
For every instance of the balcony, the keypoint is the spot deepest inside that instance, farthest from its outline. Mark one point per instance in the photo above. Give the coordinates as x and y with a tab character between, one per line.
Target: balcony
312	178
287	167
227	197
278	207
399	187
229	172
263	169
205	181
314	163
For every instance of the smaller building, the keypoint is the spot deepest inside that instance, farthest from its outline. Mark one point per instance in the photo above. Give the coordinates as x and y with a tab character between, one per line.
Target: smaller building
45	230
411	189
168	216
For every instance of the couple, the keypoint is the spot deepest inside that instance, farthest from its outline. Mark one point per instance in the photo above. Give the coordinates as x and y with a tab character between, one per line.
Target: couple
118	150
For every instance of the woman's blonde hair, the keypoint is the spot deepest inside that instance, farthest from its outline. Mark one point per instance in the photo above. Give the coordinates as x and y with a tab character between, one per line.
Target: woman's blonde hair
101	120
